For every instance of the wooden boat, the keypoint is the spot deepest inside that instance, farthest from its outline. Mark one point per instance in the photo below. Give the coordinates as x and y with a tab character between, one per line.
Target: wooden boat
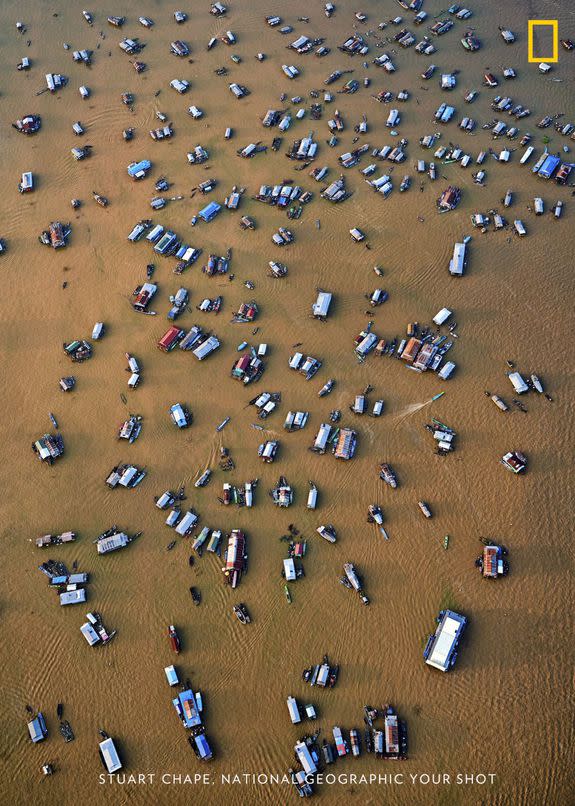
446	542
386	474
53	420
223	424
102	200
174	639
127	98
204	478
60	710
242	613
375	514
196	596
424	508
66	731
326	388
287	593
171	545
116	22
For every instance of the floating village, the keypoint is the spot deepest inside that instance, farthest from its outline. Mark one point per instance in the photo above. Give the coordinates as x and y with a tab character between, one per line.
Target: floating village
319	157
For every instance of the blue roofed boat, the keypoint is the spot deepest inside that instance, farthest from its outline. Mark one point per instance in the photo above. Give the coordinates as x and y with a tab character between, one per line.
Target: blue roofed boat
187	709
138	170
37	728
201	747
549	167
210	211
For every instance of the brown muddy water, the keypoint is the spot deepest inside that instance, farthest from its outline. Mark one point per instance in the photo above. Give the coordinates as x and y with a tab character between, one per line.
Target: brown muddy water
506	709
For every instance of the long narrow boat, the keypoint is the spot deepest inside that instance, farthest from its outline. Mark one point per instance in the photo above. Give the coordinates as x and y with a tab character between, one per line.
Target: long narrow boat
223	424
174	639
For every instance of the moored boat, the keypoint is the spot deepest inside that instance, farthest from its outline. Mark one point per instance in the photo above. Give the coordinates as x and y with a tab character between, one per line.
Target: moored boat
174	639
386	474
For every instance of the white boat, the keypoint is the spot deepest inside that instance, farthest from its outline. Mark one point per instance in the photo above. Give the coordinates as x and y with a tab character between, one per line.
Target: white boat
537	384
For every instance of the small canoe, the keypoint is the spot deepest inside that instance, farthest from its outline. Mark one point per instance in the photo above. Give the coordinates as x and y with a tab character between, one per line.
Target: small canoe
446	542
287	593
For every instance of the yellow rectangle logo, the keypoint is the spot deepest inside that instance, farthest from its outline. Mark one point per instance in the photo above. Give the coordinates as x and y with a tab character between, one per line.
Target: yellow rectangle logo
554	25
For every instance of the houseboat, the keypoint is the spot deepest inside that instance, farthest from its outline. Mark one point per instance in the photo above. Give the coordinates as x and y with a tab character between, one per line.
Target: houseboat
346	444
187	523
130	428
441	648
94	630
49	447
235	558
37	728
29	124
56	235
514	461
449	199
127	476
320	307
268	450
247	369
55	540
109	755
181	415
282	493
171	339
186	706
112	540
493	562
138	170
26	184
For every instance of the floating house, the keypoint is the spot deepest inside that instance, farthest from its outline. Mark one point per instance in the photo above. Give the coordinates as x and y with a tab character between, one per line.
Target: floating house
143	295
458	262
188	523
247	369
514	461
206	348
127	476
210	211
236	558
49	448
268	450
55	540
308	366
109	755
112	541
518	383
346	444
320	307
492	562
322	438
138	170
180	415
37	728
187	709
75	596
171	338
293	709
441	649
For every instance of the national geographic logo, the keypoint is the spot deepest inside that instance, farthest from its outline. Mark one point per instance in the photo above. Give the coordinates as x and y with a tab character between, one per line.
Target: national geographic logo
553	25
